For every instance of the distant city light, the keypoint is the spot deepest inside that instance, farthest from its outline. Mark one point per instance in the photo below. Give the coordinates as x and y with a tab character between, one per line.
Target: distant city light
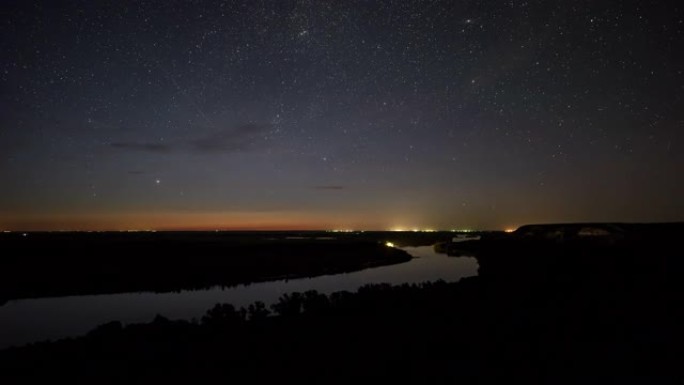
509	230
389	244
415	230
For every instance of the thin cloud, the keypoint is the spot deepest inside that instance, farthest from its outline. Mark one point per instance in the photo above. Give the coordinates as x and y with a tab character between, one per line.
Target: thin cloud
235	139
238	138
329	187
143	146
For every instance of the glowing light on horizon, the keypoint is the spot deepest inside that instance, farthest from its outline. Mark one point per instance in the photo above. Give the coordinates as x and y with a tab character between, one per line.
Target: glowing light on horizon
389	244
416	230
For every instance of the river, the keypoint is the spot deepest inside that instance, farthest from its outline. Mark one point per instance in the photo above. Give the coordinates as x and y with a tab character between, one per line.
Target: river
31	320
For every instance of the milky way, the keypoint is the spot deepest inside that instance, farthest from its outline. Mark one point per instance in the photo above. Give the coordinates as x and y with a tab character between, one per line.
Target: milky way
339	114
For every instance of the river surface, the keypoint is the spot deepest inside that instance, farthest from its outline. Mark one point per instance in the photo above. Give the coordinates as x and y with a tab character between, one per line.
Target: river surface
31	320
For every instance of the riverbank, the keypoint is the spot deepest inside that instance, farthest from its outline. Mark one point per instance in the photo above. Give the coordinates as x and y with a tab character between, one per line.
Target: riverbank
54	264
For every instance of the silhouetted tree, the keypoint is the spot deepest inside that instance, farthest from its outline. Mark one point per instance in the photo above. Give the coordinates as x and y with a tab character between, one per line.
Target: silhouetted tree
223	314
288	305
315	302
257	311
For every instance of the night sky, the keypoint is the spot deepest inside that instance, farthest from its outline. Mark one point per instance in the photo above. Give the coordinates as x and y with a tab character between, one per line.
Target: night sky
339	114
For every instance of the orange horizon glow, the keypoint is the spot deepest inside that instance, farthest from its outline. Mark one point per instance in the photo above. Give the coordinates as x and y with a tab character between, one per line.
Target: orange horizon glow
203	221
186	221
162	221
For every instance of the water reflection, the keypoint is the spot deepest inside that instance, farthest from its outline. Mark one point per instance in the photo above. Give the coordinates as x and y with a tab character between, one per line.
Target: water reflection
25	321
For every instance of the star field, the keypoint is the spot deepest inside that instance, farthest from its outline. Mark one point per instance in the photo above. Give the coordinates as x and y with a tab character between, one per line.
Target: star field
327	114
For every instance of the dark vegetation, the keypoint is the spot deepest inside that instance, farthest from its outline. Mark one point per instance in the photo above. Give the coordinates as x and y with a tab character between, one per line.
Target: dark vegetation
562	309
57	264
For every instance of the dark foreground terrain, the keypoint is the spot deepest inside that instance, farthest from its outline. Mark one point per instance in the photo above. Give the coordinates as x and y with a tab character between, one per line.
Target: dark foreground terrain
568	305
56	264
